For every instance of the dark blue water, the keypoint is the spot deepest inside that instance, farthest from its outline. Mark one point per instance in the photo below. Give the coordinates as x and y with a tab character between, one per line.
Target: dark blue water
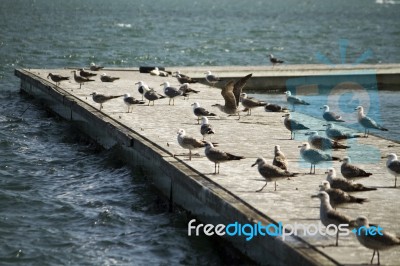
64	201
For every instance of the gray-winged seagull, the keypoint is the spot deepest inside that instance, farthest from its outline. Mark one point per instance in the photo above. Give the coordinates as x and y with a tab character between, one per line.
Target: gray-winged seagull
275	60
217	156
271	172
294	100
107	78
171	92
344	184
93	67
212	79
337	134
57	78
101	98
80	80
130	101
367	122
351	171
250	103
323	143
188	142
330	116
314	156
293	125
186	90
151	95
206	128
200	112
338	196
184	78
393	166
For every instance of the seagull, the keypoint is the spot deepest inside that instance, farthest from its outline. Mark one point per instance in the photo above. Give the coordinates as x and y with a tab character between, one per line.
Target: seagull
217	156
293	125
393	166
367	122
183	78
151	95
171	92
350	171
212	79
130	101
314	156
337	134
101	98
275	60
189	143
86	74
80	80
271	172
200	111
93	67
344	184
206	128
280	159
106	78
293	100
377	241
57	78
186	90
231	93
323	143
141	87
330	216
250	103
270	107
330	116
157	72
338	196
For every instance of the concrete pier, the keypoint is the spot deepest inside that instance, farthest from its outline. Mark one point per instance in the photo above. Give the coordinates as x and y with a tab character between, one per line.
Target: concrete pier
147	137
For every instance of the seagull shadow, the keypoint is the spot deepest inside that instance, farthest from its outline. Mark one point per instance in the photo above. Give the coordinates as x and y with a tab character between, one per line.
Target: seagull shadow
389	187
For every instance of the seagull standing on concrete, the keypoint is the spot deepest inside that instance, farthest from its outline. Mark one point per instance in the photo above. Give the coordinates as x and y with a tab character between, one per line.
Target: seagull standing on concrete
337	134
231	93
106	78
379	241
344	184
293	125
101	98
351	171
314	156
393	166
338	196
142	87
212	79
280	159
130	101
293	100
206	128
80	80
151	95
200	112
186	90
250	103
189	143
323	143
274	60
217	156
57	78
330	216
171	92
330	116
367	122
271	172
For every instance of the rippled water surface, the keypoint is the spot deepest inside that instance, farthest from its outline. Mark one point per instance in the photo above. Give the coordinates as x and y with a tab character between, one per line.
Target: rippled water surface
63	201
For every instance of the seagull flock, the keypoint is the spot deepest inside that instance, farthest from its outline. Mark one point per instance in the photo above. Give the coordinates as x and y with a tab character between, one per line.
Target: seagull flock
333	192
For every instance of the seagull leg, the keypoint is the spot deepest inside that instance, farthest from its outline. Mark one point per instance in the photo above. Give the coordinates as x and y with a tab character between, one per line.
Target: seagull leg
373	255
379	261
337	238
218	168
395	181
190	155
259	190
275	186
311	169
215	168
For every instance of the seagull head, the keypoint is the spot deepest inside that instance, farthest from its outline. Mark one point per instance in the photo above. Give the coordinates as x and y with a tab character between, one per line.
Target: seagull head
346	159
208	145
181	132
49	75
259	161
204	120
331	173
360	109
103	74
271	56
325	108
243	95
288	115
362	221
288	93
92	64
208	72
304	146
126	95
277	148
329	126
322	195
219	106
195	105
392	157
93	93
325	185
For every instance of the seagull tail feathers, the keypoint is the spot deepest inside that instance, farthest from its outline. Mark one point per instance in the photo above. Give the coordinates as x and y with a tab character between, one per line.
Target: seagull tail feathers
234	157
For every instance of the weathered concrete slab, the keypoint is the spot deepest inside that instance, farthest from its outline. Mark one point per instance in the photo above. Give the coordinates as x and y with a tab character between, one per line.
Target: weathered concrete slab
229	196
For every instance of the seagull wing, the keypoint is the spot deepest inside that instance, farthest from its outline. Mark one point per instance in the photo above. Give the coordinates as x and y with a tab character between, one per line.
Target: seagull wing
368	122
238	86
395	166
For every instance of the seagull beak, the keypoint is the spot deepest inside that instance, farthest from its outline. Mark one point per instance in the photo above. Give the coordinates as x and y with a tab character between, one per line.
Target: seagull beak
136	83
314	196
213	105
299	146
253	164
326	172
161	84
325	125
355	108
308	133
383	157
